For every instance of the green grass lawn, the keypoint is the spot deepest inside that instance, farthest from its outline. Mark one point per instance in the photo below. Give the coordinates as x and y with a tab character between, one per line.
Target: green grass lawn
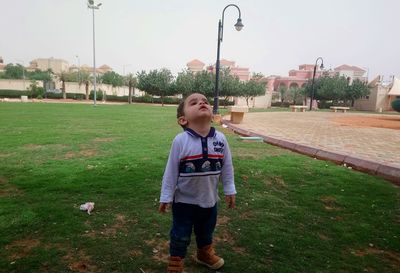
294	213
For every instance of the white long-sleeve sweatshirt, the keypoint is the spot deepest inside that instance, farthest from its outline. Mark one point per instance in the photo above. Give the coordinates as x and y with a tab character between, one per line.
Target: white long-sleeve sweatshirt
195	165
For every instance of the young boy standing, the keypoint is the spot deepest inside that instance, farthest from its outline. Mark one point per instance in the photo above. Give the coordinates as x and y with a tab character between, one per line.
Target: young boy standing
198	159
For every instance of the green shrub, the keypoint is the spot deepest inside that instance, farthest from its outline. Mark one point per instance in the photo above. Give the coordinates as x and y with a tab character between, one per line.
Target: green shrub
99	95
6	93
396	105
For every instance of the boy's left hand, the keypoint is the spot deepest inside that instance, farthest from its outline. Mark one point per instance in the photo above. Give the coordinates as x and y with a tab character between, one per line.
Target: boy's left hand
230	201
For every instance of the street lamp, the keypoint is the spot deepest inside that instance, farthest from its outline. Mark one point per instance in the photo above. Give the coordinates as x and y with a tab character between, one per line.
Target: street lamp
79	69
92	6
313	78
238	27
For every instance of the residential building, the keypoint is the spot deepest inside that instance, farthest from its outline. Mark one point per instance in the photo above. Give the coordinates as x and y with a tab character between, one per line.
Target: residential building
351	73
243	73
381	96
44	64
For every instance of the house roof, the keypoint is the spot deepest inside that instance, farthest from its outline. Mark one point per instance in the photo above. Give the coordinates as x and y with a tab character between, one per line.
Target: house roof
195	62
348	67
226	62
395	90
104	66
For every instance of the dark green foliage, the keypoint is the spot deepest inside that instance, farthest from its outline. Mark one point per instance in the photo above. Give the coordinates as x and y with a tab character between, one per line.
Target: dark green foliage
156	82
113	79
396	105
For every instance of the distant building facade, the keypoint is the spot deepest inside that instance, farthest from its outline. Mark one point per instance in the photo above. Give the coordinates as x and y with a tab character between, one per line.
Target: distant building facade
381	96
242	73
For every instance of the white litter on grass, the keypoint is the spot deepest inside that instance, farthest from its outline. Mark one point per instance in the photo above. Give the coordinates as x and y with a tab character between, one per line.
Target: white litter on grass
224	125
88	206
256	139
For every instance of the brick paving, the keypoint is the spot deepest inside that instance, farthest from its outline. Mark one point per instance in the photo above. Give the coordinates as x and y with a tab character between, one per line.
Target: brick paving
319	131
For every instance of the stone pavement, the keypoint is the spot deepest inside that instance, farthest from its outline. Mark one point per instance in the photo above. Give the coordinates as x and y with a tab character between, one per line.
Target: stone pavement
369	149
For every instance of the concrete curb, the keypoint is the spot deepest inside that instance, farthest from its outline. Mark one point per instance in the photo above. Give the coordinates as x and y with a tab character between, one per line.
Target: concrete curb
388	172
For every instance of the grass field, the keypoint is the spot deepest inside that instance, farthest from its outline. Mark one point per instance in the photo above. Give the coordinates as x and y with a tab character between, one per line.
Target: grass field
294	213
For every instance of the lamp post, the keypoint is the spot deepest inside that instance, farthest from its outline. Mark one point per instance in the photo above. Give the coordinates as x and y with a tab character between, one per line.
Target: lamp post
238	27
79	68
313	78
92	6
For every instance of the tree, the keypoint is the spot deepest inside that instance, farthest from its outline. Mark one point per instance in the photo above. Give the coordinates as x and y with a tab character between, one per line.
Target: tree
113	79
12	71
252	88
229	85
204	83
184	83
357	90
63	77
131	82
84	78
156	82
38	75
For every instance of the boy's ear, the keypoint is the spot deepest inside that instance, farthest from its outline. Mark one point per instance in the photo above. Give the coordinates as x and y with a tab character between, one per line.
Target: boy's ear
182	121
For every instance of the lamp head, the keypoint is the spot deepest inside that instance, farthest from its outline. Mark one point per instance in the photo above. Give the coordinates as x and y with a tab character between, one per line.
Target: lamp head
239	24
322	66
91	2
99	4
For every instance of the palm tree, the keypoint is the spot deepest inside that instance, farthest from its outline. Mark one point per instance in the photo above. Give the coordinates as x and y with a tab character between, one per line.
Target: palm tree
85	79
131	82
63	78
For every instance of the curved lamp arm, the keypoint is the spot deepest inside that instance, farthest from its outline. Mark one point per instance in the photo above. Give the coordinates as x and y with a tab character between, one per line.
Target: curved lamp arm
238	24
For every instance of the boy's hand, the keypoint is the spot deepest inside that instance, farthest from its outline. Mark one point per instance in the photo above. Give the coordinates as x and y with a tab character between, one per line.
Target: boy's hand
230	201
163	208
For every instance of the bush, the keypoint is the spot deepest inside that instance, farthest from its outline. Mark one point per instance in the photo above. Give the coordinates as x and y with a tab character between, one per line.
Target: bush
281	104
396	105
6	93
99	95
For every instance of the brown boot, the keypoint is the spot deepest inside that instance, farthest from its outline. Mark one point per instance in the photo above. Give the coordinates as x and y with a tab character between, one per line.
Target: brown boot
206	256
175	265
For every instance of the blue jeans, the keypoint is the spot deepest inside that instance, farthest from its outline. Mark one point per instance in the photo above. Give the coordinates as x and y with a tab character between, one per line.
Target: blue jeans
184	218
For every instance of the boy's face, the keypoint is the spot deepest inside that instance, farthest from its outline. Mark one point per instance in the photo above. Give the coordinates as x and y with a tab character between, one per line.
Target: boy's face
196	109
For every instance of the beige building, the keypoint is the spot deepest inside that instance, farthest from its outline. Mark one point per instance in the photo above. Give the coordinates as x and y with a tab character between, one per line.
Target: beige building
381	96
43	64
242	72
351	73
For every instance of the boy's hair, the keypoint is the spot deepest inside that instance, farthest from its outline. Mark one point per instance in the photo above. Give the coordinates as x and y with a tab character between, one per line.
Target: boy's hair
180	111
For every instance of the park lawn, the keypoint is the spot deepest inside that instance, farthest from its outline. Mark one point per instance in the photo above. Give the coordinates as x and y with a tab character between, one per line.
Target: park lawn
294	213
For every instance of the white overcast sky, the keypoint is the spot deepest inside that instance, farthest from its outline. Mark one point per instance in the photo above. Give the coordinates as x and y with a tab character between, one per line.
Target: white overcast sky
140	35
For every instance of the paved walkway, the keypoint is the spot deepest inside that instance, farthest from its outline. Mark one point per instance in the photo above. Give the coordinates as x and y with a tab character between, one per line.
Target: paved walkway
319	131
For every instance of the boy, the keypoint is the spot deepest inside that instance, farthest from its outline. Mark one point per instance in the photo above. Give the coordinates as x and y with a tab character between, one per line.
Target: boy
199	157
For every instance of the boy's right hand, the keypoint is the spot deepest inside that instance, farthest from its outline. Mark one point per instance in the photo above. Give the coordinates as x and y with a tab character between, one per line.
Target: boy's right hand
163	208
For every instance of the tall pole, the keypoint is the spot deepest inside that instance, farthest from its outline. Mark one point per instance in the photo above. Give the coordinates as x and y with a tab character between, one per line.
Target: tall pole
313	79
216	92
94	62
238	27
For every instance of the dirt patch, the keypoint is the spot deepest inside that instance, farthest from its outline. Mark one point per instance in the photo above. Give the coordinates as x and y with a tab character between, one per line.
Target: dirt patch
276	182
330	203
373	121
323	237
222	220
240	250
7	189
393	258
160	249
224	237
103	139
80	262
119	226
21	248
82	153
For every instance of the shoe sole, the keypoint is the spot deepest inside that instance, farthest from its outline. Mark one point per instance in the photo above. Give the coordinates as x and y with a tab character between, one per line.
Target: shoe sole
215	266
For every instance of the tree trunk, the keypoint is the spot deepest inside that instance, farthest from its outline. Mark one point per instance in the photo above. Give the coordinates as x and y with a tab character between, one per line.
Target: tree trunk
87	90
64	91
130	95
162	100
247	101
